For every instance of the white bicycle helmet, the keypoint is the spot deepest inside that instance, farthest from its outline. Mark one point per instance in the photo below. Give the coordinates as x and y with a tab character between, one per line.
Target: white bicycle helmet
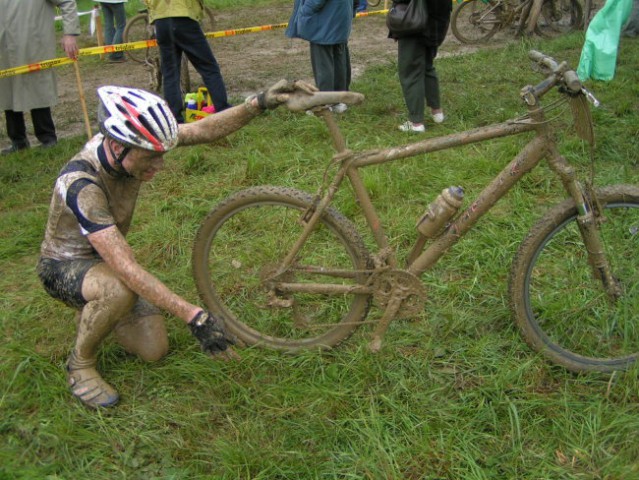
137	118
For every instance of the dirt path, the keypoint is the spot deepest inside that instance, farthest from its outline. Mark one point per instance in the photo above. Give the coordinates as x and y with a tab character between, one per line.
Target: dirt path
249	62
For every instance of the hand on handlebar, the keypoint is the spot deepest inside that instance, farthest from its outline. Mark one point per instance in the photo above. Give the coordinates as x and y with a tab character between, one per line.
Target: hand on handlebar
299	96
282	91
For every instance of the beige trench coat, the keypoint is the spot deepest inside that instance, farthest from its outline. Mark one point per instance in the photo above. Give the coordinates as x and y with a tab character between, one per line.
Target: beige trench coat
27	35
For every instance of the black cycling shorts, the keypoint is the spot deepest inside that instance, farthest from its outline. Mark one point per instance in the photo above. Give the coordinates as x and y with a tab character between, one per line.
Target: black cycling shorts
62	279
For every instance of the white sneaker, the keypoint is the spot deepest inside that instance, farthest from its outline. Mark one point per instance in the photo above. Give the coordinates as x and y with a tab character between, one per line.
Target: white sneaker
339	108
438	117
409	126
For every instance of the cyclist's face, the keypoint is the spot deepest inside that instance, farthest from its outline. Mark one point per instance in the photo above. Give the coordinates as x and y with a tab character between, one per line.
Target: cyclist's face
143	164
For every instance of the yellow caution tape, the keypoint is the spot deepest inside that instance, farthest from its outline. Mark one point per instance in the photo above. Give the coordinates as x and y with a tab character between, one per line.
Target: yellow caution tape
123	47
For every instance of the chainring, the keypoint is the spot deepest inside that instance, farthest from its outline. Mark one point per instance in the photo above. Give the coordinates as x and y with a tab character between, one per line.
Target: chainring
410	288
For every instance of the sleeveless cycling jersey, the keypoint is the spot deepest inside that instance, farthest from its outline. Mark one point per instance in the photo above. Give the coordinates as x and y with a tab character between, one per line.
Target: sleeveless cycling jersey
88	196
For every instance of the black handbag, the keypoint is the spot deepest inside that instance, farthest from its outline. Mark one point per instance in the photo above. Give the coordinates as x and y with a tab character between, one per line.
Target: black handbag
406	19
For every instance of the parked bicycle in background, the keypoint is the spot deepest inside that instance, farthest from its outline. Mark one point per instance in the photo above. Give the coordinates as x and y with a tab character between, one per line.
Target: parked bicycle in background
476	21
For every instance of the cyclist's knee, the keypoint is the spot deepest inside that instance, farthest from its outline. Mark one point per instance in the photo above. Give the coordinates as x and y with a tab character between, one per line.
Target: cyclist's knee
144	336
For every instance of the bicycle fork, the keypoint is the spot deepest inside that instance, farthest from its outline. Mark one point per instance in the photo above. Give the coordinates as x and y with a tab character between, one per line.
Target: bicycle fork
588	219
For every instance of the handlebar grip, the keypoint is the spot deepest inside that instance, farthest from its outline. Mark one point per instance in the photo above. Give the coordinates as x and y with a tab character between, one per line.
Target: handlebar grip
572	81
570	78
542	59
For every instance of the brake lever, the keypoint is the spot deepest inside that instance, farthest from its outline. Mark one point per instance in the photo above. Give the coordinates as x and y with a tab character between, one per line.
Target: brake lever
590	97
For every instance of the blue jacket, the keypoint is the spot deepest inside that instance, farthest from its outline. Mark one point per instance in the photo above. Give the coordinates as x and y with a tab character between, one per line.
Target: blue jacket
325	22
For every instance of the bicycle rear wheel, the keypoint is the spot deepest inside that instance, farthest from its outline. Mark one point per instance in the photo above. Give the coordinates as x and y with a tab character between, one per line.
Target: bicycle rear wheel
476	21
560	308
137	29
236	255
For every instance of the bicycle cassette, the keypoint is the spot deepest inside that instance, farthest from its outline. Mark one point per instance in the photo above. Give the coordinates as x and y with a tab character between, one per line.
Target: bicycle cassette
403	284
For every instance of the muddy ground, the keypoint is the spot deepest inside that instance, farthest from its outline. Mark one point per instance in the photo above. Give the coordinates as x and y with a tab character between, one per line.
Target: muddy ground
249	62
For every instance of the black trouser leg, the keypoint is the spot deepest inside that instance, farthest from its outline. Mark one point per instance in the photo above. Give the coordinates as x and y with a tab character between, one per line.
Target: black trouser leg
43	125
16	129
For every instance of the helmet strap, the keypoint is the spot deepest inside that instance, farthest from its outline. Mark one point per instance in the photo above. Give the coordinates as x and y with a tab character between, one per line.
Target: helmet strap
118	159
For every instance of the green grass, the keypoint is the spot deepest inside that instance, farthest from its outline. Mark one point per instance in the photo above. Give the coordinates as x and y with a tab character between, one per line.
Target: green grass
453	394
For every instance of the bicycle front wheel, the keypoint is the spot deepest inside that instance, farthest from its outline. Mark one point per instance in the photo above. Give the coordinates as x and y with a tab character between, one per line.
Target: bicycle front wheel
560	307
137	29
236	263
476	21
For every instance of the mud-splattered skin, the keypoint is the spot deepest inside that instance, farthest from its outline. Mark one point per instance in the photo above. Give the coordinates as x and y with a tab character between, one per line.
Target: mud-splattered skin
217	126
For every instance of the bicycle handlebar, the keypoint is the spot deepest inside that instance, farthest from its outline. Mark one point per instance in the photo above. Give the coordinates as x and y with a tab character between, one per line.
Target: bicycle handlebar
561	70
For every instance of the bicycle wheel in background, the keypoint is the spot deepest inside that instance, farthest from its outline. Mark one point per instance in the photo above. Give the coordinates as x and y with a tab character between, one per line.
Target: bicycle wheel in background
560	308
138	29
476	21
560	16
373	3
236	254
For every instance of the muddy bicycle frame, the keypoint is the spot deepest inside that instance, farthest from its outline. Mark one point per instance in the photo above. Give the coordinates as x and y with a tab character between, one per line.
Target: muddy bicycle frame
541	146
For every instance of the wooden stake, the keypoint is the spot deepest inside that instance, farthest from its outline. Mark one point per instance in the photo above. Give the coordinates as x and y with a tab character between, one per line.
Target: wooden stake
98	28
82	100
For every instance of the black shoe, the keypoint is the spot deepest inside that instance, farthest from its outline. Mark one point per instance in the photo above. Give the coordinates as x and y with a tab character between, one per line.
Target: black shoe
49	144
15	147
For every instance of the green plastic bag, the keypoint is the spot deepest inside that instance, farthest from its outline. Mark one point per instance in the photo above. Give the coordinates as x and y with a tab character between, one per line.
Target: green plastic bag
599	54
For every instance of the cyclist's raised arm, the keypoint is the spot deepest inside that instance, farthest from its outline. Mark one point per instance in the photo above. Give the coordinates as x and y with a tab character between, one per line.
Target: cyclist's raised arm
298	96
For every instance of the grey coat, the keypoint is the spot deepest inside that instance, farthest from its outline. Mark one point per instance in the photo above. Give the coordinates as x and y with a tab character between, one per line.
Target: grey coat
27	35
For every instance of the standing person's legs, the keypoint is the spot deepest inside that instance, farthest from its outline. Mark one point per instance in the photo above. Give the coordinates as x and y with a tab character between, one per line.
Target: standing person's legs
119	17
170	57
411	65
43	126
342	69
191	38
323	65
16	131
431	80
108	23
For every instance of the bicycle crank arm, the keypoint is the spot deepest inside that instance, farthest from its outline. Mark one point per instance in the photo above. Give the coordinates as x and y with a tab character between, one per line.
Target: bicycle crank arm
389	314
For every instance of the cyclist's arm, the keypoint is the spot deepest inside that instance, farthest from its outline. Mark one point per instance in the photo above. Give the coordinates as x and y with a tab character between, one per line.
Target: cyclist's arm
217	126
117	254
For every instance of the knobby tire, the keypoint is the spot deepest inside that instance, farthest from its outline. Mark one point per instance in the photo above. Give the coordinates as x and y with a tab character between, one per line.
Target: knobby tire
475	21
560	307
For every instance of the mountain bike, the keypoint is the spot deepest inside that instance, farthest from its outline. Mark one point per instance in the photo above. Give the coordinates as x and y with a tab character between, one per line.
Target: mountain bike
138	28
289	272
476	21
